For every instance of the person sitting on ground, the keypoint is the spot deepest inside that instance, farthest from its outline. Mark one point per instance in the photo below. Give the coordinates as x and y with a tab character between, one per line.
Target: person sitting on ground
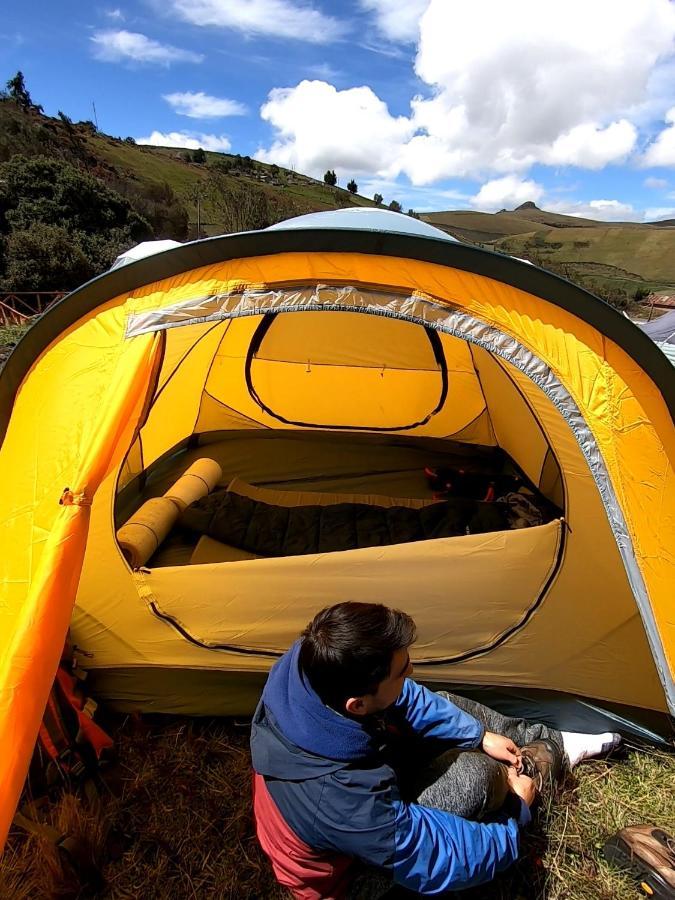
355	764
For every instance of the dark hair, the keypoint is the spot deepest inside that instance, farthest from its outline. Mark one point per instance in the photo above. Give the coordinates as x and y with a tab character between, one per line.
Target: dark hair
347	649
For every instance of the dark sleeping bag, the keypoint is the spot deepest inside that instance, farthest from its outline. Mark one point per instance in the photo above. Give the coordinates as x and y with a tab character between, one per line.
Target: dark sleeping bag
268	530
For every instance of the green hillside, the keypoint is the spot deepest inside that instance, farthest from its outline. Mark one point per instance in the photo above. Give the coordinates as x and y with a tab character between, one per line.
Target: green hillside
620	261
72	198
290	193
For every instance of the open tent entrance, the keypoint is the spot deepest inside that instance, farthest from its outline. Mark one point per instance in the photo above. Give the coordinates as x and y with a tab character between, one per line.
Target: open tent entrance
326	422
337	401
323	406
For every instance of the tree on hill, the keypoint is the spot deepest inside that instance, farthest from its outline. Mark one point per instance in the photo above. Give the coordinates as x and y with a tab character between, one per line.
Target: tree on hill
352	186
199	156
18	92
378	198
60	225
330	177
395	206
44	258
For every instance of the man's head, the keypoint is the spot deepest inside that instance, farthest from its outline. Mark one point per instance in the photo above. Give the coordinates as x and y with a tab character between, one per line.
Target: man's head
355	655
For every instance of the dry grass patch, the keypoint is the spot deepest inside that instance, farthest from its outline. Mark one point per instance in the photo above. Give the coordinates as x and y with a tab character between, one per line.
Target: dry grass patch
177	824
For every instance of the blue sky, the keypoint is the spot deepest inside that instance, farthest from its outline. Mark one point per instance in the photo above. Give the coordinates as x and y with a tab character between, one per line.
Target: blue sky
437	103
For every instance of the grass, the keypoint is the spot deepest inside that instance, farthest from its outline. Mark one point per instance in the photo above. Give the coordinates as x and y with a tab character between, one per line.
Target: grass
645	252
10	334
177	824
605	258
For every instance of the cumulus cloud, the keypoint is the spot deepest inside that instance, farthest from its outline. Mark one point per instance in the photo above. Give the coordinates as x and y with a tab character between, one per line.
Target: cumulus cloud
189	140
397	20
656	184
661	152
500	97
319	127
592	147
554	92
506	193
198	105
129	46
603	210
274	18
657	213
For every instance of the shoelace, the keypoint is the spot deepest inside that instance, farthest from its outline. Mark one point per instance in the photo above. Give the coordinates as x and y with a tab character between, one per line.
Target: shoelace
529	767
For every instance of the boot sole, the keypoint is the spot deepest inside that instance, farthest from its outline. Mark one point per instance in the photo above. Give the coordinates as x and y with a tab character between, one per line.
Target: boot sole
617	852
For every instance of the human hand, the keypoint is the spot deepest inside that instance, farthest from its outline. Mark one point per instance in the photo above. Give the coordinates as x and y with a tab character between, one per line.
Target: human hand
522	786
502	748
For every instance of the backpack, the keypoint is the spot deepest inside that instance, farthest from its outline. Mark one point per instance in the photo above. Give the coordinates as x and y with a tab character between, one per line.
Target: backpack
69	751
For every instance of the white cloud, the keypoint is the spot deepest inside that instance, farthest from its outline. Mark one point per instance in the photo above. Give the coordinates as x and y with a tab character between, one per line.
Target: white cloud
319	127
274	18
324	71
116	14
656	184
602	210
198	105
397	20
661	152
553	92
129	46
592	147
506	193
411	197
656	213
501	97
189	140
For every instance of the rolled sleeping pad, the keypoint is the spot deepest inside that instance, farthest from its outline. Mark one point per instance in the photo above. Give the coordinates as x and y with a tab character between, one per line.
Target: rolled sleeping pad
146	529
196	482
142	534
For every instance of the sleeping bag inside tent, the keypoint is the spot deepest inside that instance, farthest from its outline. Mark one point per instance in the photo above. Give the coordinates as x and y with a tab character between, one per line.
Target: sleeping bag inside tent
203	448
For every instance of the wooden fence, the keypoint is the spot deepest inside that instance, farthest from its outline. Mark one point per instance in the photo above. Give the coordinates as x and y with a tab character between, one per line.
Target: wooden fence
19	307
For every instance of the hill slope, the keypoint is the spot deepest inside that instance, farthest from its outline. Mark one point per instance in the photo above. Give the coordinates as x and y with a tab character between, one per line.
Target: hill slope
618	260
142	173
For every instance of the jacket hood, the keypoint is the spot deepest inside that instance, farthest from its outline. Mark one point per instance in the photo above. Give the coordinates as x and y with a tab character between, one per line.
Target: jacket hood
294	716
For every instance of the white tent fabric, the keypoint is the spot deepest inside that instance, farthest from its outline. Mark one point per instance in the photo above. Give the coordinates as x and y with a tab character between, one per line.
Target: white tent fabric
662	332
140	251
364	217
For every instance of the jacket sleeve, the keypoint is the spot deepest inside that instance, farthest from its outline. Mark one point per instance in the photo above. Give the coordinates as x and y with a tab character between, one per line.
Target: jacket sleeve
360	814
431	715
437	852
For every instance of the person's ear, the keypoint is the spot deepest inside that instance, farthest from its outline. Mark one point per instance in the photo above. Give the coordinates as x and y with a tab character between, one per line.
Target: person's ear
356	706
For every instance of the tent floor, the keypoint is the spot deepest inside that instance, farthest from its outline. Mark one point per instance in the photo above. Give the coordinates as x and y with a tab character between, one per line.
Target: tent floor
206	692
309	461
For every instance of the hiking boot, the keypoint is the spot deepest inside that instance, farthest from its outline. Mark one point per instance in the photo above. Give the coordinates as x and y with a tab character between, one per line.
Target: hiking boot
649	854
542	761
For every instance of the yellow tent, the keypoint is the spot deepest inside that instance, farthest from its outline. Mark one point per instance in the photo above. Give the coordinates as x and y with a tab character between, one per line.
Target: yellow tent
327	360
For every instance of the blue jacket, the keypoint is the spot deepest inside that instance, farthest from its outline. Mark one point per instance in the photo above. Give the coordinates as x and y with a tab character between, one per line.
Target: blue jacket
331	778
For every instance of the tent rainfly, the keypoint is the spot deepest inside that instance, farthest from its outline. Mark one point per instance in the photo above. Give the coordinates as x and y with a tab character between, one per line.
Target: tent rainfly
324	364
